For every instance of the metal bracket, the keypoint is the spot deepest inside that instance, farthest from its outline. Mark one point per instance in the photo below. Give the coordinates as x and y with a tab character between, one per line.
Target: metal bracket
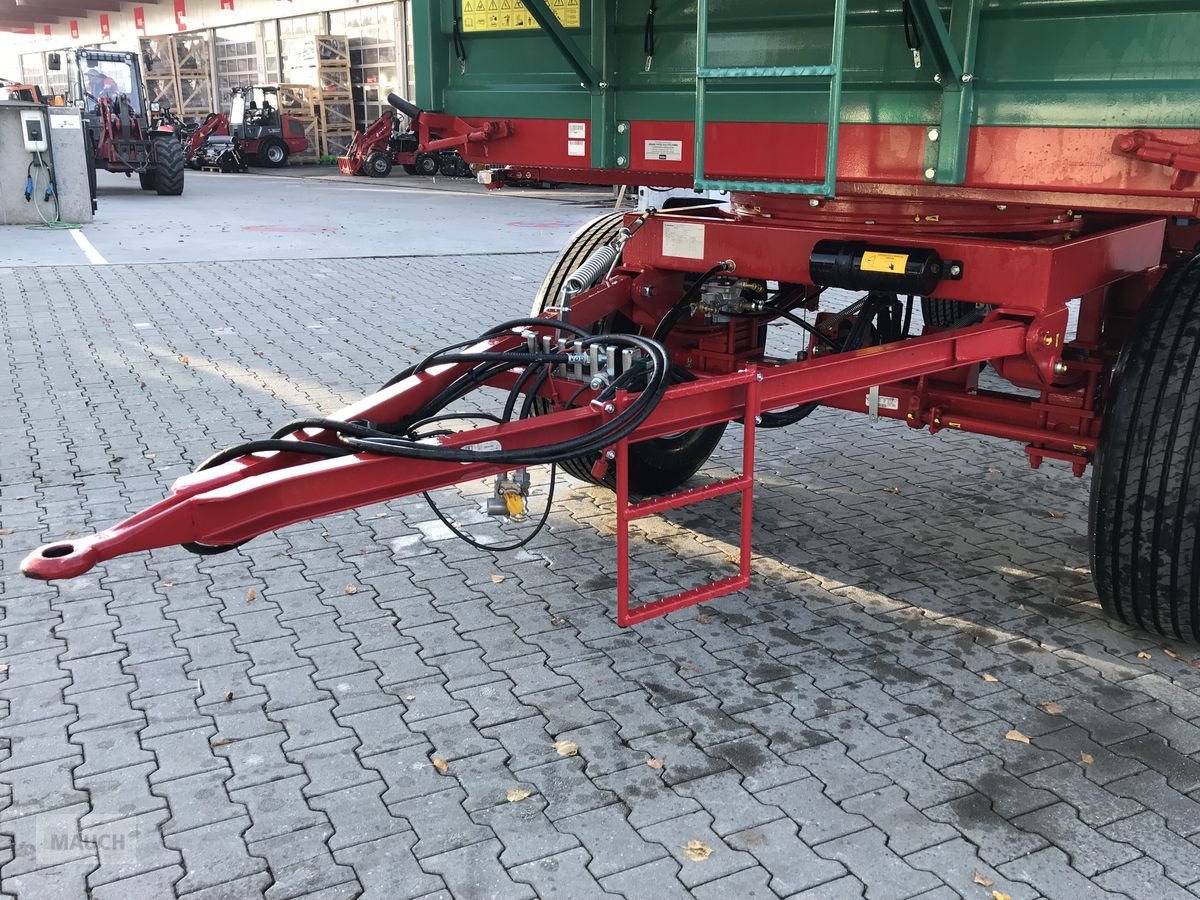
558	35
953	53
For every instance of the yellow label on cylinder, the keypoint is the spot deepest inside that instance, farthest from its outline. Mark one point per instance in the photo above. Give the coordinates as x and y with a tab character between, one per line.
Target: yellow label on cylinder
884	262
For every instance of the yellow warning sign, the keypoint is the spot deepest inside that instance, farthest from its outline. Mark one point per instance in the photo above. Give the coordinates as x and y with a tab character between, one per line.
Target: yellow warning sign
511	15
884	262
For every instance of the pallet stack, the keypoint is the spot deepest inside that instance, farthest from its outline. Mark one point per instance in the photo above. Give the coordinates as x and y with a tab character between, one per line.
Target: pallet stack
176	68
300	102
336	104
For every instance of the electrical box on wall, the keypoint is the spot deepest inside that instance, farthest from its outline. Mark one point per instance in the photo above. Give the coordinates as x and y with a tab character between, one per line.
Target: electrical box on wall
33	130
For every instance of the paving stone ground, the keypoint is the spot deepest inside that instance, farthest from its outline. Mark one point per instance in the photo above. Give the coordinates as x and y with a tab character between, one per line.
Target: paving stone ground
264	721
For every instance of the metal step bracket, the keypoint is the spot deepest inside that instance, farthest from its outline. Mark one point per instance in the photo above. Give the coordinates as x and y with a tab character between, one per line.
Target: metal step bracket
741	484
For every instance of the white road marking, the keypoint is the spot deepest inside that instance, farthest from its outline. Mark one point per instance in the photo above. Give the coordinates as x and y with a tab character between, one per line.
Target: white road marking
92	254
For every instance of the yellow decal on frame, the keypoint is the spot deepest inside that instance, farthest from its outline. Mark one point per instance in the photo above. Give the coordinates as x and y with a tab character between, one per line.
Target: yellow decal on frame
893	263
511	15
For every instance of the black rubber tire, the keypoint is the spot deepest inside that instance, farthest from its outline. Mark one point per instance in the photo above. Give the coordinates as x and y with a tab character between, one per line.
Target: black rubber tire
146	180
168	173
656	466
272	153
409	169
947	313
378	165
1145	503
428	164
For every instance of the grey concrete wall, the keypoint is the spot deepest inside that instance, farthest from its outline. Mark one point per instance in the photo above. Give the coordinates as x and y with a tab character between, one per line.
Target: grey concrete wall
66	155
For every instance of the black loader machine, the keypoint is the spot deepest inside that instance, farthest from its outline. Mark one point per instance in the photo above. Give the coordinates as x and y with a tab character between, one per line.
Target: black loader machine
107	86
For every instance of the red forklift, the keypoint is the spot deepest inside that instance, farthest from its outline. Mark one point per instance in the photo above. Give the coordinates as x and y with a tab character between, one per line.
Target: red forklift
260	131
411	138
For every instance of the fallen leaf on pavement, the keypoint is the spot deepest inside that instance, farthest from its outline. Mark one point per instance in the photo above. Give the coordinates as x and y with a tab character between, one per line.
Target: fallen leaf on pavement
697	851
410	697
558	620
351	589
229	696
566	748
1142	654
983	879
5	531
704	619
1000	895
497	579
1171	653
441	765
1055	514
1055	709
515	795
184	360
1086	758
251	594
221	742
891	490
654	763
989	678
1016	737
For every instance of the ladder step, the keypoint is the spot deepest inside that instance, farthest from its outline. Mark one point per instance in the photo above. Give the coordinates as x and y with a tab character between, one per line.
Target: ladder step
774	187
687	598
765	71
688	497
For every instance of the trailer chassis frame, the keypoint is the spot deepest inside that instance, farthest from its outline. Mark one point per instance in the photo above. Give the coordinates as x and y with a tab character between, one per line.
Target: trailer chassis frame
1023	336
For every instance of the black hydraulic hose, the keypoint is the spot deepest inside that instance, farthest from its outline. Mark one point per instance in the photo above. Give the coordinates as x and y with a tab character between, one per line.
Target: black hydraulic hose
434	358
675	313
854	341
621	425
771	312
648	34
310	448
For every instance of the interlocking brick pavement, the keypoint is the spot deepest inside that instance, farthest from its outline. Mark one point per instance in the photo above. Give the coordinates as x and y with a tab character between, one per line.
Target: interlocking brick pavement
244	724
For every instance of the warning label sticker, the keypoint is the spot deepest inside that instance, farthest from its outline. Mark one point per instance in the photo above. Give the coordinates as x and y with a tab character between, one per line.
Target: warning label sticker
511	15
873	261
683	240
667	151
576	148
577	131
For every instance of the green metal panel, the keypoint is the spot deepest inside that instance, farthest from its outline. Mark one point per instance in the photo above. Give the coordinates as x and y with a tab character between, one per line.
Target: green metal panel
1067	63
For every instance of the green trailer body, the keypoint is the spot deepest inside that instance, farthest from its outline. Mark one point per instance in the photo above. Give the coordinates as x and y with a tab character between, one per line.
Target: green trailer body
1010	94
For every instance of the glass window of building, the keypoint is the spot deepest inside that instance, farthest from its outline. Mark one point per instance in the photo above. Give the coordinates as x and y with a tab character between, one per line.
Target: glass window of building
298	53
236	52
374	70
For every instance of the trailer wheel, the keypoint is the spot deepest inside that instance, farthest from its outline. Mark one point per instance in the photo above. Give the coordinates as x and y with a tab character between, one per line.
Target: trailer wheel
273	153
428	164
655	466
169	167
948	313
378	165
1145	502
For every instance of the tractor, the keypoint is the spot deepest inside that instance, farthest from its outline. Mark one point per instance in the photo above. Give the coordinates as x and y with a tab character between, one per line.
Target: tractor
107	86
418	148
254	126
